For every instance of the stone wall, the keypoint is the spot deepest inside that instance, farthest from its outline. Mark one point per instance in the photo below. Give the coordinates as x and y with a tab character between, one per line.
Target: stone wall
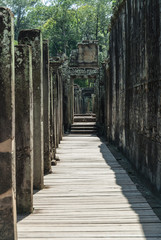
133	118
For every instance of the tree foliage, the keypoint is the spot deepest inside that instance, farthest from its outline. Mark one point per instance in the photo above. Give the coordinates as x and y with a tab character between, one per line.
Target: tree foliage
84	83
20	9
74	20
64	22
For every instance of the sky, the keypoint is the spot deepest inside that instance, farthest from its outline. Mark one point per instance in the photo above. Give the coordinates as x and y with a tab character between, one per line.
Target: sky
45	1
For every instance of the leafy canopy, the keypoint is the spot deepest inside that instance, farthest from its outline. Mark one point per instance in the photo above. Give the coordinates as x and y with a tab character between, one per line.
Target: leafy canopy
64	22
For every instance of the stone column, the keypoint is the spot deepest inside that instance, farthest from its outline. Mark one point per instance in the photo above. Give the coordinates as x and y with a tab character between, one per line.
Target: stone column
72	100
68	95
46	88
55	108
58	109
61	106
24	128
51	114
56	103
53	119
7	128
96	91
34	39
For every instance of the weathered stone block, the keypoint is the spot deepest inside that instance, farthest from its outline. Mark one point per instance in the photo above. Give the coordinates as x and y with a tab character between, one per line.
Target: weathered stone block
88	54
77	99
52	150
24	128
56	103
34	39
58	106
7	128
68	103
46	93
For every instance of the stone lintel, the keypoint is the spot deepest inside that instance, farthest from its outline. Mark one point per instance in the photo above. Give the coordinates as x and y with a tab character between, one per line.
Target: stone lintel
83	71
55	65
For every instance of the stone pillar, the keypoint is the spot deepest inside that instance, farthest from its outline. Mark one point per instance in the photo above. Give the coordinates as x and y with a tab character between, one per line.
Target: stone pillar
57	103
51	114
59	100
7	128
34	39
65	105
24	128
56	123
59	124
46	93
54	110
58	111
96	91
61	106
72	100
68	103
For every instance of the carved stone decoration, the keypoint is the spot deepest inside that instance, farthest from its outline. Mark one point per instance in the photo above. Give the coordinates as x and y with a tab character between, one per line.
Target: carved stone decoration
82	71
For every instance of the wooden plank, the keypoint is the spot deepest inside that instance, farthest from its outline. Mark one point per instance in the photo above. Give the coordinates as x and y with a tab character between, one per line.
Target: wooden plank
68	235
93	238
89	196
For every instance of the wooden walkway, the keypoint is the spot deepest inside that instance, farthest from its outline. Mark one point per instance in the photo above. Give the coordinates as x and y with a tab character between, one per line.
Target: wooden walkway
89	197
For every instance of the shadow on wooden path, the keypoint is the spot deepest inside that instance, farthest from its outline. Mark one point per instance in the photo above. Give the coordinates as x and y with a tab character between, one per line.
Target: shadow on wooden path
89	197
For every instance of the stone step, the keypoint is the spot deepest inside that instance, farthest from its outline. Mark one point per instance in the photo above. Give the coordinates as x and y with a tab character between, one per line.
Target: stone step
83	131
85	115
84	124
83	128
85	119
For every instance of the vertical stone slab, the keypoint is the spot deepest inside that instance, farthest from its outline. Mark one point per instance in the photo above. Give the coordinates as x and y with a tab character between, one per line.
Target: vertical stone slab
68	100
7	128
56	120
58	109
56	102
51	113
46	93
72	100
34	39
24	128
61	106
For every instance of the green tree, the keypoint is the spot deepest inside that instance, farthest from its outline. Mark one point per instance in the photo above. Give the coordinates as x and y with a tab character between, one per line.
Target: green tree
95	18
64	22
71	21
58	23
20	9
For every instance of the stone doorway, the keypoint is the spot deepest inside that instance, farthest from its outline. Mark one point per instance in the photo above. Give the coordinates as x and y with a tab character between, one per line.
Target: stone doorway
84	95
